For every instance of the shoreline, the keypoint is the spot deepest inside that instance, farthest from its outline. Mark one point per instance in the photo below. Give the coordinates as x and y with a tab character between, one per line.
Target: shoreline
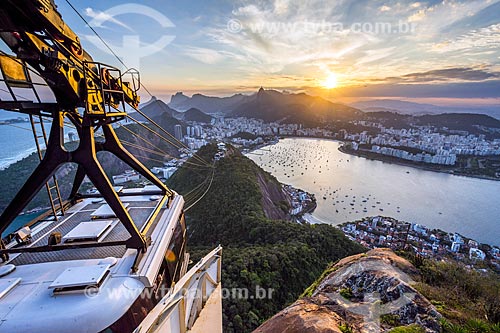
311	219
431	229
381	158
378	231
9	161
395	160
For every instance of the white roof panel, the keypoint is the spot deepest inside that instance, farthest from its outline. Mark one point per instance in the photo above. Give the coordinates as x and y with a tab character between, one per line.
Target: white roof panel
105	212
148	188
7	285
88	231
118	189
84	276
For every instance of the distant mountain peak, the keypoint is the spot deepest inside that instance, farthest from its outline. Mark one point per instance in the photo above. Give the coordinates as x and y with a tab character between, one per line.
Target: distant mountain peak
178	98
417	109
195	114
152	100
205	103
272	105
156	107
261	94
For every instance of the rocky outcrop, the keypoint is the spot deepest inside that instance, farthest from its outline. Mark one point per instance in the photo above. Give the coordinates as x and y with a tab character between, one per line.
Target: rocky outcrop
304	316
275	202
369	292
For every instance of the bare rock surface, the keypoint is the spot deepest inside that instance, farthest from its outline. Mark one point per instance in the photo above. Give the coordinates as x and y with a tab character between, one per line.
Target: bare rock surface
369	292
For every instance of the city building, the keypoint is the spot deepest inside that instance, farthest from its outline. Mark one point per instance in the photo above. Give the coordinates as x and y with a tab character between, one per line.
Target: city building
476	254
127	176
165	172
455	247
178	132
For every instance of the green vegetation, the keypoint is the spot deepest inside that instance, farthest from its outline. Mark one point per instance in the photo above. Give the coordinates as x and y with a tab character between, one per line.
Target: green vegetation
408	329
133	143
195	114
390	319
346	293
345	328
447	123
485	166
471	326
283	256
468	299
13	177
245	136
472	123
310	290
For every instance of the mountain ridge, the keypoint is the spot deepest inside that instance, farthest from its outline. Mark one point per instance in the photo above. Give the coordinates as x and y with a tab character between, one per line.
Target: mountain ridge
195	114
271	105
314	111
208	104
168	117
155	108
471	122
417	109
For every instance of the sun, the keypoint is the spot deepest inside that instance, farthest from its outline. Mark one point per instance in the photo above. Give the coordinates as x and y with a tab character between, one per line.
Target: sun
331	81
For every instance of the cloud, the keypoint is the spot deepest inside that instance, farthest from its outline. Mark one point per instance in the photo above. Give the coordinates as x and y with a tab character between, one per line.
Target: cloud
276	35
287	38
376	54
458	74
211	56
484	89
465	74
204	55
433	20
281	6
420	15
477	39
99	17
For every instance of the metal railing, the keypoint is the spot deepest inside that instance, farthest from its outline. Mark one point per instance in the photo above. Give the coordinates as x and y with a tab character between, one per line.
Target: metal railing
180	308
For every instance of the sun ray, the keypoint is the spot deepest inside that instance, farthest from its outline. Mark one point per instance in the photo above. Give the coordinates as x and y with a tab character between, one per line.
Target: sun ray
331	81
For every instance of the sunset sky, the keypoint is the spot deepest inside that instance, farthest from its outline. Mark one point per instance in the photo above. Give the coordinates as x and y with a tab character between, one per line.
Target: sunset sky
429	50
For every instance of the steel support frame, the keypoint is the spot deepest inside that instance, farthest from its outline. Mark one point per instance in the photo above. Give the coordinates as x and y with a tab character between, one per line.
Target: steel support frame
88	165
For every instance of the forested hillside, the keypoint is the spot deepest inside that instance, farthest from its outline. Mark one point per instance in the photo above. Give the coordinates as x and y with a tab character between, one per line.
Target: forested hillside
276	254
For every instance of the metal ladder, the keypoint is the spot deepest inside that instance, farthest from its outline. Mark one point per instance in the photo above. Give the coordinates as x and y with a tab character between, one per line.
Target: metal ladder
52	185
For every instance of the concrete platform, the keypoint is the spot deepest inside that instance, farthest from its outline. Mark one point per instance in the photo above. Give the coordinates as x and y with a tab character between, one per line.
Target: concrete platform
210	319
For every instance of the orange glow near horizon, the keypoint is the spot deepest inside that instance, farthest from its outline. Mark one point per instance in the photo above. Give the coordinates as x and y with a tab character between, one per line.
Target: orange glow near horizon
331	81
